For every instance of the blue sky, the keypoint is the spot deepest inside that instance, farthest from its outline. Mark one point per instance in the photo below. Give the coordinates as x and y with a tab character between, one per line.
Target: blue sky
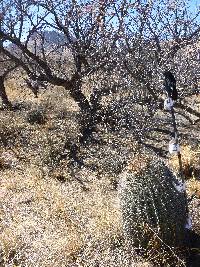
193	5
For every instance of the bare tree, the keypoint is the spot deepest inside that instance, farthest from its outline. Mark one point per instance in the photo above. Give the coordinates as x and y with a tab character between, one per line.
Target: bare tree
87	42
137	40
155	36
7	66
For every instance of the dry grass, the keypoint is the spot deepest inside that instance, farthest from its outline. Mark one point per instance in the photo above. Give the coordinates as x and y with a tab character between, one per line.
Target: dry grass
46	222
53	220
190	157
191	168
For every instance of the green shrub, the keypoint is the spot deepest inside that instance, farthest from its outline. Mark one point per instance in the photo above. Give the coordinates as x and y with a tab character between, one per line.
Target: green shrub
36	117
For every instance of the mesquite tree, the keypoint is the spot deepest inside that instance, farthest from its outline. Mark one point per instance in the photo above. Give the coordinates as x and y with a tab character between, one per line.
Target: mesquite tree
87	41
137	40
159	36
7	66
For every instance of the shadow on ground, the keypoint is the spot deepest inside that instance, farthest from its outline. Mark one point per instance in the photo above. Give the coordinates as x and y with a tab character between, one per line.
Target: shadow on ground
193	260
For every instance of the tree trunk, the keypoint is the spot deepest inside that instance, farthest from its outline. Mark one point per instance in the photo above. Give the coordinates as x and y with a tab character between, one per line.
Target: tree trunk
88	126
84	121
86	111
3	94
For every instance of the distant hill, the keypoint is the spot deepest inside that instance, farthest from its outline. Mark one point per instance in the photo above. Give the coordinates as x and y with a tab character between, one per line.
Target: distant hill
50	38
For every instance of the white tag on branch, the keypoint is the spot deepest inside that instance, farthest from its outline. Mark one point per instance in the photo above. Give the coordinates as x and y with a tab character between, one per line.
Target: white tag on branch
180	187
188	224
174	148
168	104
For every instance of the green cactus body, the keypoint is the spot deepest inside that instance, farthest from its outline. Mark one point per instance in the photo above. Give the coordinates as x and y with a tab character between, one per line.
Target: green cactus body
152	207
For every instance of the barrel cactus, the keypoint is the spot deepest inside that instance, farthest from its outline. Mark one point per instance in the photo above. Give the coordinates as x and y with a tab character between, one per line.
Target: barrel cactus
153	210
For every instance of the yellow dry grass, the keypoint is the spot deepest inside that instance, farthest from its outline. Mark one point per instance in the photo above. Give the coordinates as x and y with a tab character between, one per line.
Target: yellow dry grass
193	187
45	222
190	159
55	219
139	163
52	98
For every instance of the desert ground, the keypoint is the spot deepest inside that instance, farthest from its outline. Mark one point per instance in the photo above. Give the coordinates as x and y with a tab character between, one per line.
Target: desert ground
52	214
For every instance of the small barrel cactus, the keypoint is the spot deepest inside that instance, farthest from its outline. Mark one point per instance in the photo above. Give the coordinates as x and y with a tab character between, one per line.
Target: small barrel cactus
152	207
